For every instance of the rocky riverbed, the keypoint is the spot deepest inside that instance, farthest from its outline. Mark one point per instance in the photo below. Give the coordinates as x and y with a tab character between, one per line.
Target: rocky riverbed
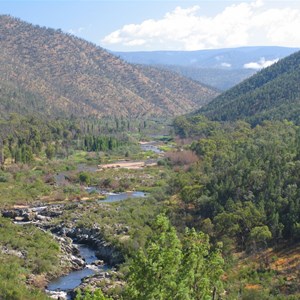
68	237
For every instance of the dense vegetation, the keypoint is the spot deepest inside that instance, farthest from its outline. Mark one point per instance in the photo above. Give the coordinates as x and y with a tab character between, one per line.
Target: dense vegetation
246	175
272	94
23	139
235	183
33	151
171	269
244	190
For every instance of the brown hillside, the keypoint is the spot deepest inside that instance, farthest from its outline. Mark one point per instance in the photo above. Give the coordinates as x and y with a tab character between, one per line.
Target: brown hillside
73	76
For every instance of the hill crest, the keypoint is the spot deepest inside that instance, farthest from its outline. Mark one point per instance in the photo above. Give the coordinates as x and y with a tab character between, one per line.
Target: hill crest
271	94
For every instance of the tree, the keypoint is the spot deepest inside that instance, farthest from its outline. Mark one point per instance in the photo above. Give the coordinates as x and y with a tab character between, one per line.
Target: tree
153	273
85	178
97	295
50	151
260	235
201	268
171	269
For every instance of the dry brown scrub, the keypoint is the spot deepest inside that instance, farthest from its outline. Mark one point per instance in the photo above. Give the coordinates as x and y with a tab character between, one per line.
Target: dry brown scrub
182	158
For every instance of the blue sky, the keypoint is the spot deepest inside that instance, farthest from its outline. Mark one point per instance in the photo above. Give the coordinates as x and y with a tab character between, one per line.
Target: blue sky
122	25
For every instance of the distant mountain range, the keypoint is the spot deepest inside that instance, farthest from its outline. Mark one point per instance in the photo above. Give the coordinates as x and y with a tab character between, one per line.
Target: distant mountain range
47	71
271	94
220	68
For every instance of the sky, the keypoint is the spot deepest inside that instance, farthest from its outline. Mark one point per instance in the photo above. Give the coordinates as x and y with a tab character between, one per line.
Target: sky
143	25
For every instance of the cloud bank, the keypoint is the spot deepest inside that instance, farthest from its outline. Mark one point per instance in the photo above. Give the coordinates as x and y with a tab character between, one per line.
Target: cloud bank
262	63
242	24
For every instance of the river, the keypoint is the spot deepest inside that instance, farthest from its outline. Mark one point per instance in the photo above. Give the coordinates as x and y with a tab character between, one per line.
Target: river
73	279
115	197
151	146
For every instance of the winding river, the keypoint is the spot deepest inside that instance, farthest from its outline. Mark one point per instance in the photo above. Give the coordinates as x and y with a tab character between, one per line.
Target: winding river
70	281
73	279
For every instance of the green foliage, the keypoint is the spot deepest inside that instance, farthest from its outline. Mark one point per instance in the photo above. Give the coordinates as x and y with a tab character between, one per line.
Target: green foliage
194	126
247	178
260	234
27	138
4	176
12	281
24	250
50	151
171	269
97	295
271	94
28	185
85	178
100	143
41	250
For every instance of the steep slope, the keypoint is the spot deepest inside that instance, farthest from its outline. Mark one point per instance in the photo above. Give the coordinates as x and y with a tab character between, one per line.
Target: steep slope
73	76
273	93
183	85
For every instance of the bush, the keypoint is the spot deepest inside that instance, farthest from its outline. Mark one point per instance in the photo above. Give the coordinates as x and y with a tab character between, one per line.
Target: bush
85	178
181	158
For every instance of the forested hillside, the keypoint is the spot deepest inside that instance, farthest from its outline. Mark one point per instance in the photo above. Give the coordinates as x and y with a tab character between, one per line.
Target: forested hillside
69	76
271	94
170	81
244	169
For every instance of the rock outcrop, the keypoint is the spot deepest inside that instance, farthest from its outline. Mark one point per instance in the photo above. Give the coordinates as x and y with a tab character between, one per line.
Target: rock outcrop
94	238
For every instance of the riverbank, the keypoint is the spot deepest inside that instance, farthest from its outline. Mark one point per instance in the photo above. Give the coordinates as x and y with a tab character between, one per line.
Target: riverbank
64	221
61	203
84	252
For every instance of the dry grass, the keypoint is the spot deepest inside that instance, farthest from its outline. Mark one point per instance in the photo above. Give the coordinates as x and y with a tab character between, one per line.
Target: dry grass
132	165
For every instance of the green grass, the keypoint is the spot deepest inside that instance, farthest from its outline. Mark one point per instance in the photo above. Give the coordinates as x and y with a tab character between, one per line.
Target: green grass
39	255
124	223
23	186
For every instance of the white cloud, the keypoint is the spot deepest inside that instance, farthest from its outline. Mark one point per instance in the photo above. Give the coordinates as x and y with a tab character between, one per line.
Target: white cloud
225	65
239	24
137	42
262	63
